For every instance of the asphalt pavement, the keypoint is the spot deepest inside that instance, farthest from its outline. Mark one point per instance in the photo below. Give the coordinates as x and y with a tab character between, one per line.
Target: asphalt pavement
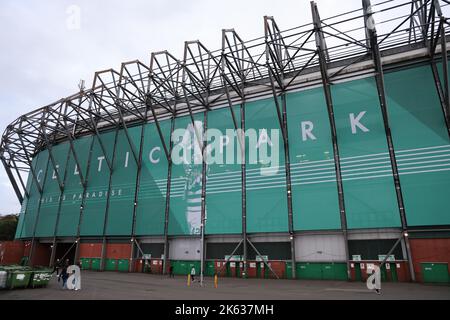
123	286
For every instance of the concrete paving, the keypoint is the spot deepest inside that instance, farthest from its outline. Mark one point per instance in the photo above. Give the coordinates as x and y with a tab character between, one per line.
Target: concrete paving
122	286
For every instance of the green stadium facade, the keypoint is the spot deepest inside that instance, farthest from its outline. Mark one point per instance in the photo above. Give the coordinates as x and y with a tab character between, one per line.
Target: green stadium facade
360	120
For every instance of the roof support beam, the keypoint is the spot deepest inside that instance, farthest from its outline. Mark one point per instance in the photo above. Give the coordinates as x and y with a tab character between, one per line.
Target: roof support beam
379	77
321	49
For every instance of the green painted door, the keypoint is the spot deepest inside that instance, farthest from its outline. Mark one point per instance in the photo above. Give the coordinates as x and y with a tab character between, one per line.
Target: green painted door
340	271
95	264
179	267
288	270
228	270
238	270
85	263
435	272
358	272
147	266
260	269
309	270
209	268
314	271
327	271
111	265
393	269
383	273
299	267
267	272
123	265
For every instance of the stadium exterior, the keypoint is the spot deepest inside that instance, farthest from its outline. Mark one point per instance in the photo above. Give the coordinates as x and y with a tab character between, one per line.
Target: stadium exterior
357	106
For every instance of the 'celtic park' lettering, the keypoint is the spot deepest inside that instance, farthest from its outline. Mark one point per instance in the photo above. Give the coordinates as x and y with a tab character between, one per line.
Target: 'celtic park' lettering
262	147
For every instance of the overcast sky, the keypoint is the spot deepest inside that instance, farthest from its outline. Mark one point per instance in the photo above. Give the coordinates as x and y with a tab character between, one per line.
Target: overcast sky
44	52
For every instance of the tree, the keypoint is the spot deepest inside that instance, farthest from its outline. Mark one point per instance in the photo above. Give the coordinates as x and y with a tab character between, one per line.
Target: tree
8	226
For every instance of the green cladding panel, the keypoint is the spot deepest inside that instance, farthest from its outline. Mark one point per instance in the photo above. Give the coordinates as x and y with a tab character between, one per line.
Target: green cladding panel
73	188
369	192
123	186
419	133
186	181
30	209
23	208
51	196
151	204
93	218
265	176
435	272
422	145
313	175
224	181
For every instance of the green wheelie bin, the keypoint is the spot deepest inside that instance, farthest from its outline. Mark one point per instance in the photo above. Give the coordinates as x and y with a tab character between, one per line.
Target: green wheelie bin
40	277
18	277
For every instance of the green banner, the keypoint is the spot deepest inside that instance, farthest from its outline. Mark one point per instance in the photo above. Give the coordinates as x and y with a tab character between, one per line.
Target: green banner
186	182
369	193
151	204
422	145
123	186
52	192
265	176
93	218
224	181
313	176
30	205
73	188
419	133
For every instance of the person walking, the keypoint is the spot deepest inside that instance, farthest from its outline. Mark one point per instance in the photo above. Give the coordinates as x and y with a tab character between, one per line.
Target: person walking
193	274
171	275
64	275
57	267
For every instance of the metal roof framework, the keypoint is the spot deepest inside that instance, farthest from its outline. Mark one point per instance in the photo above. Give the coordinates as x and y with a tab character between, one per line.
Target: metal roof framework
312	54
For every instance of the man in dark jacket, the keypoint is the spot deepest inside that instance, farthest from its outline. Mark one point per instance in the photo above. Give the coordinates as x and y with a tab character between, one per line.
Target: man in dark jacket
64	276
57	267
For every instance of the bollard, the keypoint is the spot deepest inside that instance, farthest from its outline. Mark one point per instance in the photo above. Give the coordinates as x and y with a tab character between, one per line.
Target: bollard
189	280
215	281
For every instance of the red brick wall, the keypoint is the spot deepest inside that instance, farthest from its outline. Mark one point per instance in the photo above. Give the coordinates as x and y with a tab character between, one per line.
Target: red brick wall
11	252
156	266
138	265
27	246
403	272
90	250
118	250
279	267
41	254
429	250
